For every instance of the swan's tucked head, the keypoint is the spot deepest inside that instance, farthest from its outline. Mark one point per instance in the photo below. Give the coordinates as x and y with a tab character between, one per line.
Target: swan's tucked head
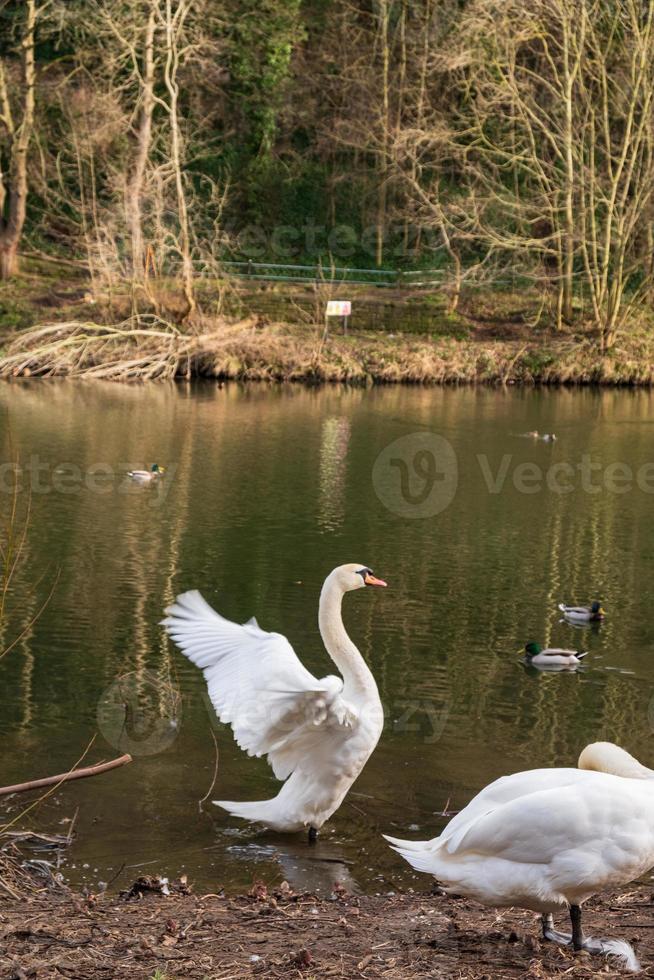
355	576
610	758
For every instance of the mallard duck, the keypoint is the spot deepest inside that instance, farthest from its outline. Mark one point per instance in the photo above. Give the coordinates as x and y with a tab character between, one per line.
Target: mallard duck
548	437
549	839
146	476
317	734
583	614
552	657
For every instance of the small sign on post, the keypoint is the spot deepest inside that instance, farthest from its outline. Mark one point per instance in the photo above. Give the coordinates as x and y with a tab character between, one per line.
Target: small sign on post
338	307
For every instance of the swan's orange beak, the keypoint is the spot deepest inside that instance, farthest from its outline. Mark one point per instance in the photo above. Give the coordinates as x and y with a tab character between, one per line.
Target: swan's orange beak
371	580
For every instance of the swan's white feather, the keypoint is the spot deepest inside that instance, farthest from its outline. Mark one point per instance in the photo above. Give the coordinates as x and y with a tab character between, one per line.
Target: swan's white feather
258	685
622	952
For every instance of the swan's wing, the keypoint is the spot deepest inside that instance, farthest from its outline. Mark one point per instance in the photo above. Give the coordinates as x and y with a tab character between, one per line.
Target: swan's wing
496	794
256	683
538	827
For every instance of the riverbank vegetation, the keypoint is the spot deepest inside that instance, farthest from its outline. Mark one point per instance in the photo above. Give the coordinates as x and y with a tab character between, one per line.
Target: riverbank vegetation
491	339
150	142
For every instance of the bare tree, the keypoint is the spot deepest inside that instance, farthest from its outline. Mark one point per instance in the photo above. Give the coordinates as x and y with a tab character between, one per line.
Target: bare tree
173	21
551	138
17	122
143	141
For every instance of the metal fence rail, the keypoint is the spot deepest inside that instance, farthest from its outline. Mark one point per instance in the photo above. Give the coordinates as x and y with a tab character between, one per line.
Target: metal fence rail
317	274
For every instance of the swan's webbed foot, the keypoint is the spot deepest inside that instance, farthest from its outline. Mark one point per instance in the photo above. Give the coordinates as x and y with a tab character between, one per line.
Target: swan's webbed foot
313	835
551	934
606	947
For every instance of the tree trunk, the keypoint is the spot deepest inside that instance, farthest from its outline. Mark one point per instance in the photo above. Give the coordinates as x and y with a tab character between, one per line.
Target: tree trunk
569	137
8	259
383	156
134	195
15	198
173	25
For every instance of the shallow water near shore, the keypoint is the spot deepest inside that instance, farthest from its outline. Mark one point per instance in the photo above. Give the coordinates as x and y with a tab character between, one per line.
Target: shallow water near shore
479	533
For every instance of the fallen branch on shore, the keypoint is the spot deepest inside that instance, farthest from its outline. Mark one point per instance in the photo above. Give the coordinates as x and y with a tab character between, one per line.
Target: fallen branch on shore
67	776
139	349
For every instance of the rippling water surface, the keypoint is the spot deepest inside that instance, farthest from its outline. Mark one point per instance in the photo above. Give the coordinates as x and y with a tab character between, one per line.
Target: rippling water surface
267	489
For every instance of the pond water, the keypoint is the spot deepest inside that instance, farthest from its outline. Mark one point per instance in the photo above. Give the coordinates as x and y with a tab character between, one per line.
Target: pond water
478	531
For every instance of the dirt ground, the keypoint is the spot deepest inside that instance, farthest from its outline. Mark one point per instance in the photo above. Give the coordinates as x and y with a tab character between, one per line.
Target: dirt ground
54	934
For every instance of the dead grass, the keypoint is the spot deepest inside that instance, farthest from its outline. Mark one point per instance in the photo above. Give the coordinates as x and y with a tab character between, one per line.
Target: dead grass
15	881
147	348
139	349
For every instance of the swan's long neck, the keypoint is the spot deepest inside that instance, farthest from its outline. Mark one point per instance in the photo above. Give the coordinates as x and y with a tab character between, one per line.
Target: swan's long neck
339	646
610	758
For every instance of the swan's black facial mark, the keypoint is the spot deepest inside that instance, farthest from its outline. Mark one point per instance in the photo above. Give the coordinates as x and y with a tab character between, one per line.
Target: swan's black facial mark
369	578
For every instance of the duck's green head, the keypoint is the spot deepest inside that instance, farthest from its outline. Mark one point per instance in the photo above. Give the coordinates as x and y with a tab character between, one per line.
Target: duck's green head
597	611
155	468
532	649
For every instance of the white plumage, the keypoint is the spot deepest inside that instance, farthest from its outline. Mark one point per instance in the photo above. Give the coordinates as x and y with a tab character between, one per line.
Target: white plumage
317	734
548	839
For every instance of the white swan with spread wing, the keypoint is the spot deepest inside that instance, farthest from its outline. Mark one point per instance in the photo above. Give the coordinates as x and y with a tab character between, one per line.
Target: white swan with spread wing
317	734
548	839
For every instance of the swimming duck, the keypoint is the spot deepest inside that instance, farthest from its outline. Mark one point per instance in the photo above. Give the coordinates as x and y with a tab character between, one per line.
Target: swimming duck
552	657
583	614
317	734
549	839
146	476
548	437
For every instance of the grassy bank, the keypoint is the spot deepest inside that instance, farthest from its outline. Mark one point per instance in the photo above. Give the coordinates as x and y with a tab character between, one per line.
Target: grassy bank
60	330
249	350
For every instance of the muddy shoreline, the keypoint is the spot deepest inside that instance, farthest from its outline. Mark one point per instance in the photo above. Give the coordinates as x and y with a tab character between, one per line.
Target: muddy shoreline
56	933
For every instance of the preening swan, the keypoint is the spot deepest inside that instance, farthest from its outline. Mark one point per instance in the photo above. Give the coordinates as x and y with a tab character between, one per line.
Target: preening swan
548	839
317	734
